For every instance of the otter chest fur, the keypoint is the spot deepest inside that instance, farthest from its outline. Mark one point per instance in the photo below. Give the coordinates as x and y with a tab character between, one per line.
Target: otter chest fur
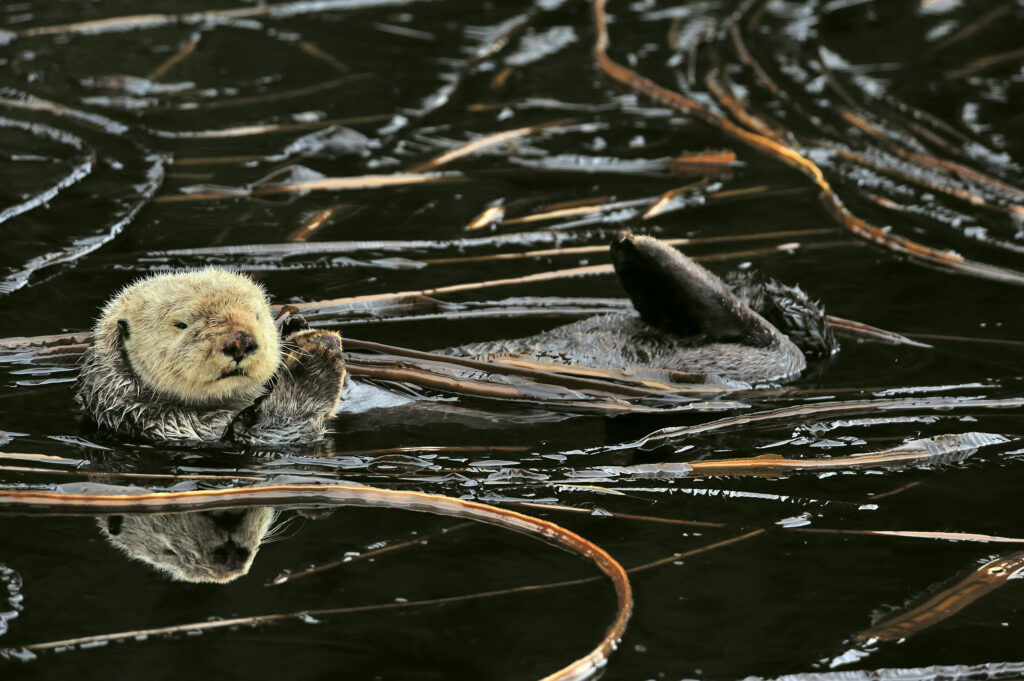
196	356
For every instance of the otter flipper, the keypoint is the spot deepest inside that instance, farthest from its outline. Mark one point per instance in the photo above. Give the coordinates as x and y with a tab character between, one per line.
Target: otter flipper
675	294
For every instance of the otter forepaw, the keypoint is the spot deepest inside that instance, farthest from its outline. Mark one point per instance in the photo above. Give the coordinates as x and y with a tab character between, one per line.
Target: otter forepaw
314	363
314	340
316	513
314	350
303	392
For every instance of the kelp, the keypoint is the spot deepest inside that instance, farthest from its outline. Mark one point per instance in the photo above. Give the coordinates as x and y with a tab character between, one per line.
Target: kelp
148	21
147	180
265	128
83	166
290	576
334	184
936	451
981	582
583	379
554	239
769	141
860	330
93	500
672	436
860	134
166	65
487	141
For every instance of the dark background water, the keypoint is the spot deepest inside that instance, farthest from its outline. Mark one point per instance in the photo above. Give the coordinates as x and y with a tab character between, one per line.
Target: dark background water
382	87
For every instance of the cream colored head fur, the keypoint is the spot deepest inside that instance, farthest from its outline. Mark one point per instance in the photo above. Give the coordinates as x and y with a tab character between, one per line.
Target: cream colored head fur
174	328
203	546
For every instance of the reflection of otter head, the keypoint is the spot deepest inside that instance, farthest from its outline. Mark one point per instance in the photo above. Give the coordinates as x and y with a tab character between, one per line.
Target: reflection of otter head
204	546
197	337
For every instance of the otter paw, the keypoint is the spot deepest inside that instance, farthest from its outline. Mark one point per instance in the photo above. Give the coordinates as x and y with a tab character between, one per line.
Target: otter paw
315	368
316	513
312	346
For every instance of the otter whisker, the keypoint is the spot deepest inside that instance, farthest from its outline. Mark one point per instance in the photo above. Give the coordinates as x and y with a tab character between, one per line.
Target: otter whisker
280	527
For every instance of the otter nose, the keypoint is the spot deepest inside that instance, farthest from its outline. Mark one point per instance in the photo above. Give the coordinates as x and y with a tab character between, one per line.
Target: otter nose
230	555
239	344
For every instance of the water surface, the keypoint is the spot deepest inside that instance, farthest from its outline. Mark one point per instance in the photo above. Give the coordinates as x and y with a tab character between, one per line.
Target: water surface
131	148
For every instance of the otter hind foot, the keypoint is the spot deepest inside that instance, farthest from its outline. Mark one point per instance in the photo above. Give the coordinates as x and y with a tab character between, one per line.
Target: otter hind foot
673	293
789	309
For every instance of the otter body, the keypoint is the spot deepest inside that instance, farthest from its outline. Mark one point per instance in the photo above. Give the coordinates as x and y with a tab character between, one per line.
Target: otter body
686	320
624	341
196	356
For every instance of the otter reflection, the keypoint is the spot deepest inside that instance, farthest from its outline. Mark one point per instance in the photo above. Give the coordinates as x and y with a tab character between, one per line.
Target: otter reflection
202	546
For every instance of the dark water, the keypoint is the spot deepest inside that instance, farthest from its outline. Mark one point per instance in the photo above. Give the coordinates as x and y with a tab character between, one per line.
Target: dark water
108	133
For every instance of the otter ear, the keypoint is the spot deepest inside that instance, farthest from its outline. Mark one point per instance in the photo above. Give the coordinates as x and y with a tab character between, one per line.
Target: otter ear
122	328
114	524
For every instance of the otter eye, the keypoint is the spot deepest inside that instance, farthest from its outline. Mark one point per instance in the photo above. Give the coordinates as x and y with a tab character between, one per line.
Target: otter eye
181	325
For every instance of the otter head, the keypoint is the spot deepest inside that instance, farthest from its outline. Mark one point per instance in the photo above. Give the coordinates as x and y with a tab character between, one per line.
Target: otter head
204	546
198	337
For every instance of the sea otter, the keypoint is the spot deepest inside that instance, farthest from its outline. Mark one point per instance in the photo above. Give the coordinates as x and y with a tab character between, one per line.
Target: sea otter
202	546
686	320
196	356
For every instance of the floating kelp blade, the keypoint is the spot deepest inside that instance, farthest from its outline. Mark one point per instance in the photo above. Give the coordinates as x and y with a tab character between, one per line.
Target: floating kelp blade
187	49
488	141
672	435
334	184
948	602
556	242
266	128
230	102
288	577
773	144
549	395
85	161
990	671
92	499
933	451
917	534
147	21
489	216
146	179
601	381
862	331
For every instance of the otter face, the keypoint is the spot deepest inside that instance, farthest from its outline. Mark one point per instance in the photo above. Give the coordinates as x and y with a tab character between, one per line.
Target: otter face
205	546
197	337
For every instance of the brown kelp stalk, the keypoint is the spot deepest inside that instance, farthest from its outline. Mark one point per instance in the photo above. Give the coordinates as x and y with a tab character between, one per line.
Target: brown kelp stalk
948	602
790	156
46	501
